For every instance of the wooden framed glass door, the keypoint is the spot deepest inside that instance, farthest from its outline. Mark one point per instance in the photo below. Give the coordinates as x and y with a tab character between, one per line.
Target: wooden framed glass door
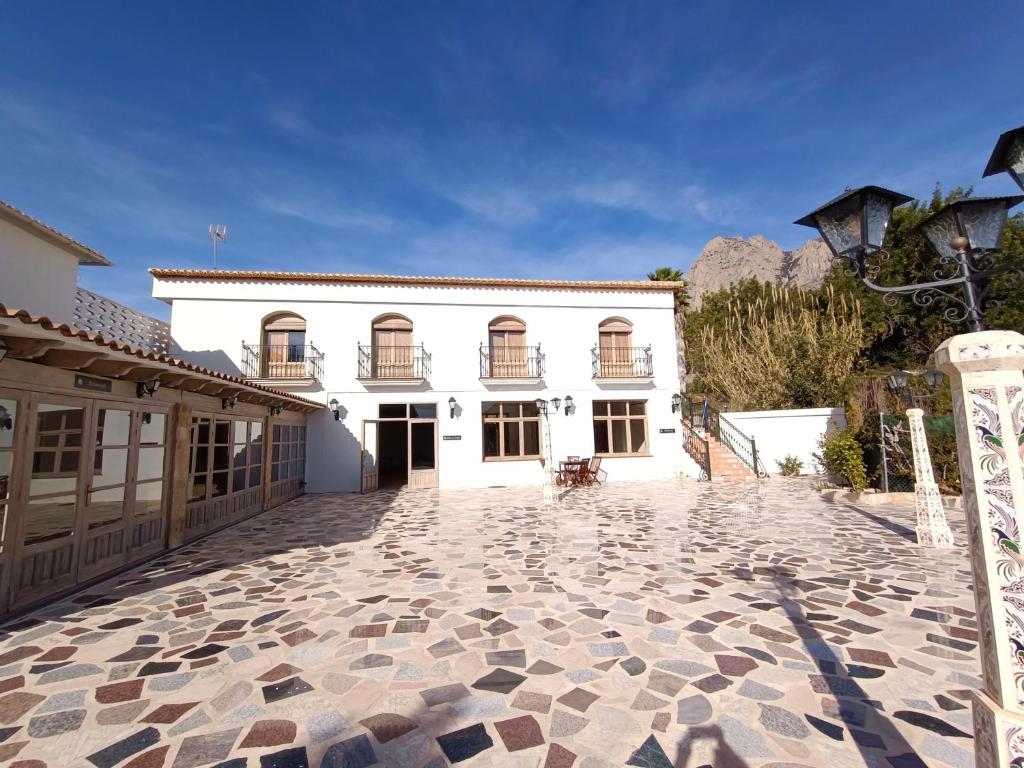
423	453
369	470
147	519
49	532
508	354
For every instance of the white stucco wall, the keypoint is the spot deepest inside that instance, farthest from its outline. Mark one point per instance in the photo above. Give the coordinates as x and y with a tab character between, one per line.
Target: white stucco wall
792	432
210	320
35	275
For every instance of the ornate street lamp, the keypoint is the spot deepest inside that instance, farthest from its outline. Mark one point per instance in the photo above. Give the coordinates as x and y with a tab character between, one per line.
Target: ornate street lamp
1008	156
897	380
964	233
933	378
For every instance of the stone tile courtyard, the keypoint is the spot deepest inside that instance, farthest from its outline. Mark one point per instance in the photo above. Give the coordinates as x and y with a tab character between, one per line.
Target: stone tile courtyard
654	624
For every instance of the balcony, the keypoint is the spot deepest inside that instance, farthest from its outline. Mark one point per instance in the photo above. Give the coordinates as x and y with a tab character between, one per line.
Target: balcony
404	365
622	365
282	363
511	366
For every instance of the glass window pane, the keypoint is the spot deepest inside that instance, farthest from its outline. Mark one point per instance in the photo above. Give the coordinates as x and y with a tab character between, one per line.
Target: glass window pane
113	427
6	468
69	461
531	438
510	410
221	456
153	430
275	453
220	484
530	409
241	455
198	488
239	432
618	428
511	438
8	413
148	498
423	446
238	480
50	518
277	433
110	468
600	407
491	439
48	441
275	473
222	430
423	410
43	462
637	436
202	435
151	463
106	506
601	437
202	457
637	407
256	432
618	407
491	409
255	476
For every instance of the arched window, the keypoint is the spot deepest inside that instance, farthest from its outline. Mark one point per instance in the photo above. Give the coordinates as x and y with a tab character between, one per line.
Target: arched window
506	338
615	339
392	347
284	346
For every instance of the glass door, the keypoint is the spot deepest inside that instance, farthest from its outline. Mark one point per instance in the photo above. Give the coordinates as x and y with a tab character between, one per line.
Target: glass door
422	453
47	542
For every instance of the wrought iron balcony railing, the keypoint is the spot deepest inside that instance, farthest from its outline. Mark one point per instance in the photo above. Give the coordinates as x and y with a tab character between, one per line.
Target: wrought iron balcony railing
377	363
622	362
511	362
282	361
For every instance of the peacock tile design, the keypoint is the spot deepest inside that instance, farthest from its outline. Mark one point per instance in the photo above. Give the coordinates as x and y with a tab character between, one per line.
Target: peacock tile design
669	623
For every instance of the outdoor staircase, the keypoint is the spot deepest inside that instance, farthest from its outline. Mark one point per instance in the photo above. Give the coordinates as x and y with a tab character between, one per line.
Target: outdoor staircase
726	465
720	449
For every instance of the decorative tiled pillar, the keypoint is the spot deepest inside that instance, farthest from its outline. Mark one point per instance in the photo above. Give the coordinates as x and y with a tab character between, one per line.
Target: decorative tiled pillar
549	464
932	528
988	409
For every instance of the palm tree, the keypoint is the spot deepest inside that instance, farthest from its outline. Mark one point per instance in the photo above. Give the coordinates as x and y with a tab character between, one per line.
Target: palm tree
671	274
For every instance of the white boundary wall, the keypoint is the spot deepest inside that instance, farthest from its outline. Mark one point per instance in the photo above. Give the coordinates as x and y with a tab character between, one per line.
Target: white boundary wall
795	432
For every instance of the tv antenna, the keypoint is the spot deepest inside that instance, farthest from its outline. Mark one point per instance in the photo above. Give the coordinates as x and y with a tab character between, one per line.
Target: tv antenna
218	234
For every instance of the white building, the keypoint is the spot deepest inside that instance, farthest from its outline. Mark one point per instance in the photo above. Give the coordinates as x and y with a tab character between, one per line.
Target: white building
436	379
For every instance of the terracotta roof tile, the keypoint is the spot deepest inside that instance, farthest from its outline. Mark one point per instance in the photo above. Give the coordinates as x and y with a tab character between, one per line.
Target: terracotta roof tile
423	280
69	331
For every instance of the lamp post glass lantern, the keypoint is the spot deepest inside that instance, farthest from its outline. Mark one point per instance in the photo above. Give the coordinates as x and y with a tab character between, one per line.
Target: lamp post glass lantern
933	378
897	380
1008	156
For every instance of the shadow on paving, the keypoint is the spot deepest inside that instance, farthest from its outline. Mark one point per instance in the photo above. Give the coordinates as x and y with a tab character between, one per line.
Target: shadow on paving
307	522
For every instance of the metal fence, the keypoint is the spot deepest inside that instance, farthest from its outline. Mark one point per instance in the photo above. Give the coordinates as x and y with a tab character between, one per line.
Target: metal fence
896	473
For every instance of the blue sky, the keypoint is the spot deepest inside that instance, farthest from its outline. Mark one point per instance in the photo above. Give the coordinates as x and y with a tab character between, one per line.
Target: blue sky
548	139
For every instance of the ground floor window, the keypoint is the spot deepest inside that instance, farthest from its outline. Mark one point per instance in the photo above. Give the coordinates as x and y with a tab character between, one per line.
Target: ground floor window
620	427
225	456
511	431
288	457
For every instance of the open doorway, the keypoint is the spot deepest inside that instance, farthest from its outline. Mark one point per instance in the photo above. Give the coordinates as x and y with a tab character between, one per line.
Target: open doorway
394	454
400	447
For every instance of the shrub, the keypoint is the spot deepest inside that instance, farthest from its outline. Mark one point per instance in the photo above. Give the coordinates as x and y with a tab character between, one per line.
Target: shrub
790	466
841	455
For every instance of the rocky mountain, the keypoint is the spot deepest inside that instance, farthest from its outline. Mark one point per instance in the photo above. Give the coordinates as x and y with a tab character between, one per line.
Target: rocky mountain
728	260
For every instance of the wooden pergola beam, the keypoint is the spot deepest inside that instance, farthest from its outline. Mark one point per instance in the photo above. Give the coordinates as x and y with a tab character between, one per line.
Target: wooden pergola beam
23	348
74	359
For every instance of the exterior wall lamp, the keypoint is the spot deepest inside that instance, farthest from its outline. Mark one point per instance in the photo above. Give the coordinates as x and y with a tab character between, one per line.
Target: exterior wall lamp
3	350
228	402
147	388
570	409
556	403
6	422
542	405
452	405
275	410
677	401
336	408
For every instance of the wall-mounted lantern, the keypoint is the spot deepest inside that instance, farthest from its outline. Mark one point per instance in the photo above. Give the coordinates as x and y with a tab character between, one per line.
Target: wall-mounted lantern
336	408
542	405
228	402
556	404
570	409
677	401
3	350
275	409
452	405
147	388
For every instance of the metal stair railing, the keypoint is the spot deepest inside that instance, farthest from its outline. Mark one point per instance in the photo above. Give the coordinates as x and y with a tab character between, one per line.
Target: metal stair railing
713	423
698	448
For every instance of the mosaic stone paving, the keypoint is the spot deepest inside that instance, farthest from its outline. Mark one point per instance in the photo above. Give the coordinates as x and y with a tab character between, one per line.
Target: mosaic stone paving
637	624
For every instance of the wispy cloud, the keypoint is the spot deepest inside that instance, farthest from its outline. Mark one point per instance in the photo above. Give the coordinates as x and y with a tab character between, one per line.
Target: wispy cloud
333	216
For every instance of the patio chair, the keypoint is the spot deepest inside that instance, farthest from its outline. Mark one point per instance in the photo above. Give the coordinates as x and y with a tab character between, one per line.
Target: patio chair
594	471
